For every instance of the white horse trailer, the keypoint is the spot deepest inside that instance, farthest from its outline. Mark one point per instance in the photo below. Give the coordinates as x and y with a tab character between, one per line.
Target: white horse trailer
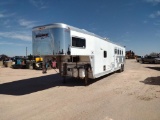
80	54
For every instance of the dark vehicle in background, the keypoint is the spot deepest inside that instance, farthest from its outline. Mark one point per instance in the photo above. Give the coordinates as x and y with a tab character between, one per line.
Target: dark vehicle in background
30	62
19	62
150	59
138	58
157	60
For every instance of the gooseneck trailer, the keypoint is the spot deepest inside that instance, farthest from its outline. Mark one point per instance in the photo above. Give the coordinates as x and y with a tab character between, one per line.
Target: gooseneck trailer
80	54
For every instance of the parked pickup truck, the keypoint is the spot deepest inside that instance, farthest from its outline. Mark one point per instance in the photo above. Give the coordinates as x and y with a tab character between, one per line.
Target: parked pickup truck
150	59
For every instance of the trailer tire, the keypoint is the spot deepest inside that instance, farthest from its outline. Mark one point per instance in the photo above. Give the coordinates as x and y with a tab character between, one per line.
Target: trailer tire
64	80
121	69
86	82
86	77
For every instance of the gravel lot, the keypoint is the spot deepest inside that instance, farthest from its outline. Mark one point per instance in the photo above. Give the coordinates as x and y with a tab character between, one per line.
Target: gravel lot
131	95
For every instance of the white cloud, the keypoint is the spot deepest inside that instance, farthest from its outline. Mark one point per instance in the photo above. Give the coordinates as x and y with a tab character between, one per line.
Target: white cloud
158	13
2	15
10	43
152	15
156	23
39	3
16	35
6	22
155	15
145	21
26	23
154	2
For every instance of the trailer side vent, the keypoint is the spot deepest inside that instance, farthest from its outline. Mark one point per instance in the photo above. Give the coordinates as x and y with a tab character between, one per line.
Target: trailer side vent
104	68
105	54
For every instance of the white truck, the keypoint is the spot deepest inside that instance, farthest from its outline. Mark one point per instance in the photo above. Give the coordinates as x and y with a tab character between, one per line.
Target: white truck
80	54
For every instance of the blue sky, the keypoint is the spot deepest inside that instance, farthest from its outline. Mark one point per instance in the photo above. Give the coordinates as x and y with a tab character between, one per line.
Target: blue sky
131	23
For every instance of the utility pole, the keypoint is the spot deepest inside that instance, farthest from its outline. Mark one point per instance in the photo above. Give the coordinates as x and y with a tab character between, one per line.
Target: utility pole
26	51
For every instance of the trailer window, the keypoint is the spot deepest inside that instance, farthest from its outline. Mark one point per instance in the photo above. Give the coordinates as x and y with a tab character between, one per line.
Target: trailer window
105	54
78	42
115	51
118	52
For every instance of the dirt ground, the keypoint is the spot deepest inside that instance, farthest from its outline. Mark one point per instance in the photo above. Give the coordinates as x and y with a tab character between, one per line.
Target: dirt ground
131	95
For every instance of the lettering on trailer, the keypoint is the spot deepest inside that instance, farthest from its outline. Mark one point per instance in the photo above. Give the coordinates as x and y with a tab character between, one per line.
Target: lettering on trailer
42	35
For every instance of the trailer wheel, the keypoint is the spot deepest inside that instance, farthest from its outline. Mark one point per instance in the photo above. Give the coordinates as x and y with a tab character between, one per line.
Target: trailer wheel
121	69
64	80
86	78
86	81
